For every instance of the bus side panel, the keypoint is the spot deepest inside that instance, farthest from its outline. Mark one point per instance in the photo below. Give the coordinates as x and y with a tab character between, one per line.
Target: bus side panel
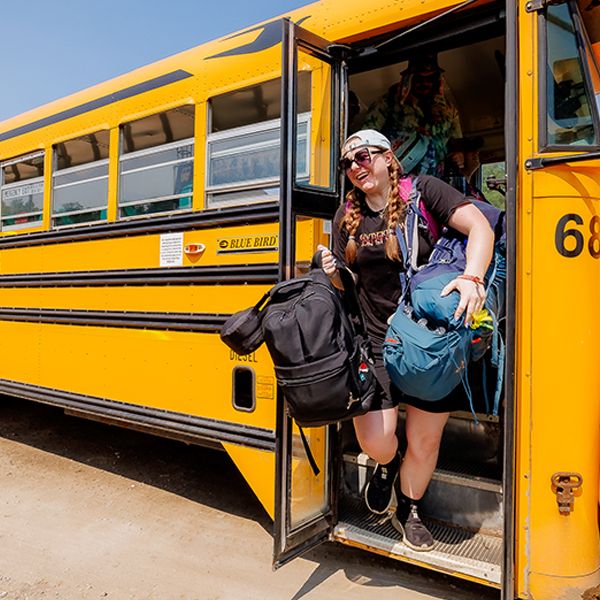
182	372
558	381
565	379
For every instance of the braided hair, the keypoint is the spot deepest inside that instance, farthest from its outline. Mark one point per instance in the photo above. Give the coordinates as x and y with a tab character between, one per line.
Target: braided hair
395	213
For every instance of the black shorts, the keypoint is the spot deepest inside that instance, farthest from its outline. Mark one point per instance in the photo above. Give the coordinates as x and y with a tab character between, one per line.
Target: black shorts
389	396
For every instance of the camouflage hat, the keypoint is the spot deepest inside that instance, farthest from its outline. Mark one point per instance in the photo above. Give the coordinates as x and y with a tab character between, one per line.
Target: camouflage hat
423	64
465	144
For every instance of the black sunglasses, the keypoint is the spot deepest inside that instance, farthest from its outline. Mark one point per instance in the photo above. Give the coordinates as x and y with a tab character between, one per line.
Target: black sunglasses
362	158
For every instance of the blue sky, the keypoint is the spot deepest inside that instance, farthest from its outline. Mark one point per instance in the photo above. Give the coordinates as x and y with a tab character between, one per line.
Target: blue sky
52	48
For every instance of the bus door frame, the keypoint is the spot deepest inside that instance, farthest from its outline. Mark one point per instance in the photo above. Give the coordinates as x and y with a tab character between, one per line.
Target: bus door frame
319	202
511	136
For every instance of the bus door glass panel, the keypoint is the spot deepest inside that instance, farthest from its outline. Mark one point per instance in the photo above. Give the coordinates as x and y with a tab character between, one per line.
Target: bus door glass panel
570	106
322	172
305	507
22	192
308	491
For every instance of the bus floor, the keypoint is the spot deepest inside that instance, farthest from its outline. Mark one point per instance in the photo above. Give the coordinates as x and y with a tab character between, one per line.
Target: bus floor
463	505
462	509
92	511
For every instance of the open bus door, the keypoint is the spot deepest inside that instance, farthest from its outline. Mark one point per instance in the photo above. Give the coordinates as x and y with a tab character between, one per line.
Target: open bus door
304	502
558	551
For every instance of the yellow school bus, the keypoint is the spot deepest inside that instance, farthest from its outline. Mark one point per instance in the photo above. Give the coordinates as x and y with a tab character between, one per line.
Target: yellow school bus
138	214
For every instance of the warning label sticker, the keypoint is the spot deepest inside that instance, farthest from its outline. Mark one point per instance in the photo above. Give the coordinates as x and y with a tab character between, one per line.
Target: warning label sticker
171	250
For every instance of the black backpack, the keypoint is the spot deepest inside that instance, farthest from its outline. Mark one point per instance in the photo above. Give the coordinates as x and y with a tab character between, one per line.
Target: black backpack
317	339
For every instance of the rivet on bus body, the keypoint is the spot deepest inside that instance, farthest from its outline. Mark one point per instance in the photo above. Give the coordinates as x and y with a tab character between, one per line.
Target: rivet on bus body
530	73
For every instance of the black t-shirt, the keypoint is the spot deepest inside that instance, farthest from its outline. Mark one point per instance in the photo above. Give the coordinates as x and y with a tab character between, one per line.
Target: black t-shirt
378	284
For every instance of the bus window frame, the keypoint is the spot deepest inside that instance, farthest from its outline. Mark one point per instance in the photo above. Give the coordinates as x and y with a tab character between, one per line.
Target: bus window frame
82	167
543	145
251	184
191	141
40	178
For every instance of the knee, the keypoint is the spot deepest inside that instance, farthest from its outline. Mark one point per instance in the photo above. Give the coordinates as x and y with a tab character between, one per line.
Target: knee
380	448
424	445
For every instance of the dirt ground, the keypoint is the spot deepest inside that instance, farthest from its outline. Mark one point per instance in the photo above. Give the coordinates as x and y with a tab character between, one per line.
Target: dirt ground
92	511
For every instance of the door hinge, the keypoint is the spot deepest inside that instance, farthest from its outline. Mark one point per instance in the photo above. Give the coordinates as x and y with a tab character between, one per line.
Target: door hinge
537	5
341	51
566	487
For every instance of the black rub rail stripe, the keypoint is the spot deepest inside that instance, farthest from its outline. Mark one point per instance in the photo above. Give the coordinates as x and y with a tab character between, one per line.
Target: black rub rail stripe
128	92
225	217
206	323
223	275
190	425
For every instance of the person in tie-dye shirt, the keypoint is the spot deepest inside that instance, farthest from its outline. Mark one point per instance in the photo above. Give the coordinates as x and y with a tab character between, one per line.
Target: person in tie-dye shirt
418	117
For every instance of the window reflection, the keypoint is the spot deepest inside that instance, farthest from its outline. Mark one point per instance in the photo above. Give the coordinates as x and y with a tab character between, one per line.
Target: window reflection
22	192
569	116
243	145
157	164
80	181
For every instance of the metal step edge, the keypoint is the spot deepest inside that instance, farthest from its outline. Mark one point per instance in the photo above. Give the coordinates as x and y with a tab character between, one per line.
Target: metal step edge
472	481
486	572
443	475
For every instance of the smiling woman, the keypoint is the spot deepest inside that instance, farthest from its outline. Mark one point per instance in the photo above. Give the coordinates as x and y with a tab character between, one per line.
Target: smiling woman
365	241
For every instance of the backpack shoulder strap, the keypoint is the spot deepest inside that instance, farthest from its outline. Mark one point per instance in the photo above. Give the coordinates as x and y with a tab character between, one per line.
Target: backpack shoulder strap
408	235
350	301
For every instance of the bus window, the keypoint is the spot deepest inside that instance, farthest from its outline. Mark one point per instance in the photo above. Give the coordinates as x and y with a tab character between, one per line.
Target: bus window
243	143
569	118
22	192
80	180
492	183
590	13
156	163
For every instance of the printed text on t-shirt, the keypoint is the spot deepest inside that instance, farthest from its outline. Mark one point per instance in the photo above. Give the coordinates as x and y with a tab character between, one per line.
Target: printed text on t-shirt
373	239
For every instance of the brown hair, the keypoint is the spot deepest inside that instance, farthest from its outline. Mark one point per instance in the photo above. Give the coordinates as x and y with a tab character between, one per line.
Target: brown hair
395	212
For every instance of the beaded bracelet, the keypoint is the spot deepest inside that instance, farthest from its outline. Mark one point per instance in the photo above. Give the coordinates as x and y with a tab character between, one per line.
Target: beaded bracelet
472	278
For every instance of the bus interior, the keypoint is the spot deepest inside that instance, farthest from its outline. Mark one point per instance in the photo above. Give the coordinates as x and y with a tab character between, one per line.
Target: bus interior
464	502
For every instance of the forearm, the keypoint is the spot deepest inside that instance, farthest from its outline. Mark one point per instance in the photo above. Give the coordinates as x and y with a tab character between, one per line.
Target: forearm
337	280
480	249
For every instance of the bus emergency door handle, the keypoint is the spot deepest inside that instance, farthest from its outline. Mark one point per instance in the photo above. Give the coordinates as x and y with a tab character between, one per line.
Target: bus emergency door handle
565	485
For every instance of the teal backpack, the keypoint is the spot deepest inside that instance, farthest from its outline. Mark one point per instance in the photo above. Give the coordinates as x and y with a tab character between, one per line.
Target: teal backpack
426	351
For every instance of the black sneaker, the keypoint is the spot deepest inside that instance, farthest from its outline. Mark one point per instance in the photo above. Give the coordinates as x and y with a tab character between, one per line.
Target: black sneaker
379	492
414	533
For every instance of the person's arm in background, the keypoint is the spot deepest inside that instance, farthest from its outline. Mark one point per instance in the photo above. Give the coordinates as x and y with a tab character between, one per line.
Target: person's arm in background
458	157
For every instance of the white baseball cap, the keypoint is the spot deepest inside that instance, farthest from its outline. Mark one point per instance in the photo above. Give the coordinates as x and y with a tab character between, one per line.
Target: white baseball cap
366	137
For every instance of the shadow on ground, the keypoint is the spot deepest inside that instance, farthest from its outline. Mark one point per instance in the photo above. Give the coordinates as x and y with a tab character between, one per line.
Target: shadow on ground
203	475
210	478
